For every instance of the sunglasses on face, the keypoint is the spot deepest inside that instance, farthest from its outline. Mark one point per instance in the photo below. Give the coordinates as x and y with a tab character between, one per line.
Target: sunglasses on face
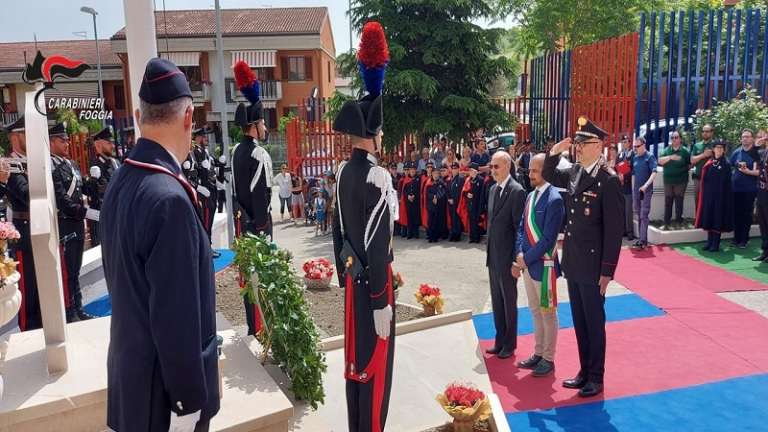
494	166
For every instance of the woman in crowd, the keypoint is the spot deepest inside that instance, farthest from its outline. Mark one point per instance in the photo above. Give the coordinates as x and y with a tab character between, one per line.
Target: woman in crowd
297	198
715	211
449	159
466	158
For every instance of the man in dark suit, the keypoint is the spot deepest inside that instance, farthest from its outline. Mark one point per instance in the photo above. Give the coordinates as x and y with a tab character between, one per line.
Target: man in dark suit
162	366
537	258
595	212
506	200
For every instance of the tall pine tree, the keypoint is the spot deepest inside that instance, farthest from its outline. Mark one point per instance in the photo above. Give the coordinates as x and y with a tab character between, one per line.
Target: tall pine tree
441	66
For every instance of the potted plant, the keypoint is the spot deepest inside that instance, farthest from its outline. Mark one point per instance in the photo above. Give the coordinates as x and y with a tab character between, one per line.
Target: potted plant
397	283
466	404
10	296
318	273
430	299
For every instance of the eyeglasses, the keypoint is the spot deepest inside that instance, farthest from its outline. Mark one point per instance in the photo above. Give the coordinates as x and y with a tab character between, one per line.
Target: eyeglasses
583	143
675	137
494	166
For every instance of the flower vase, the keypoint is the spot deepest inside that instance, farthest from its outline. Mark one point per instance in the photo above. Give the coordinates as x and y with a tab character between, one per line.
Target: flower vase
428	310
463	425
317	284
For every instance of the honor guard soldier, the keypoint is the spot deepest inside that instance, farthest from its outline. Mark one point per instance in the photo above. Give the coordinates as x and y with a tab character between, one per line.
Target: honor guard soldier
103	166
221	182
68	189
593	232
16	189
251	169
162	368
412	195
366	209
206	178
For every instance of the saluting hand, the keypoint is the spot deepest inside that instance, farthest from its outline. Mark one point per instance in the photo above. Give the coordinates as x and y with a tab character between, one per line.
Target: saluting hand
562	146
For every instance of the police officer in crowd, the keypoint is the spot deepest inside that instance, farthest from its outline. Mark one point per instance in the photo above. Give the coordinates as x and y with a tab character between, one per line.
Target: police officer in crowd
162	367
203	177
251	169
72	212
103	166
16	188
595	215
221	182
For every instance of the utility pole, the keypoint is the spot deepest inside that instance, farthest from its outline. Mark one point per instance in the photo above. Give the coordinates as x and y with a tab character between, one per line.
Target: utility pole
222	102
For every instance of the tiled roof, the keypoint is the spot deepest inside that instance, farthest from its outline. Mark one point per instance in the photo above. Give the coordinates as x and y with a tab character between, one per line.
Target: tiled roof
12	54
240	22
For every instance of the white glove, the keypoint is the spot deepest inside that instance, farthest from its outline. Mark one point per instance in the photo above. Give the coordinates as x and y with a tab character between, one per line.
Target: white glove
220	185
204	191
92	214
185	423
382	318
206	163
222	159
95	172
186	165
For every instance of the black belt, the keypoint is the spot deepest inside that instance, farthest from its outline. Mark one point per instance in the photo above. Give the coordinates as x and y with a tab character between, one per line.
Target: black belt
20	215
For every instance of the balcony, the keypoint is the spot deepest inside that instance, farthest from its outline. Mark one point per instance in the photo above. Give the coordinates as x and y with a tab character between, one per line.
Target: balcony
271	90
201	93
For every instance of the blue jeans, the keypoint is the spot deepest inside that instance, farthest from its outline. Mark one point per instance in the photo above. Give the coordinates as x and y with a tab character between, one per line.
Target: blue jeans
642	210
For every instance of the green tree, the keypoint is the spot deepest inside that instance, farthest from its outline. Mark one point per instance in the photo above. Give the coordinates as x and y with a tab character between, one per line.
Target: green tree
441	66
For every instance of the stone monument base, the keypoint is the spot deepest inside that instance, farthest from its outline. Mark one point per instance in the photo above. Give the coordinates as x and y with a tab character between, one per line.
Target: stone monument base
75	401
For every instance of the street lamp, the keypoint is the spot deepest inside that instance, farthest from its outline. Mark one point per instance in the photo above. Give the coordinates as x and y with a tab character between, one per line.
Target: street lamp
93	13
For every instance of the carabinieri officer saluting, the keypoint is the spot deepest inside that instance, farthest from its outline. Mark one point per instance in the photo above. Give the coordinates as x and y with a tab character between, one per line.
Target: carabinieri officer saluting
595	215
366	209
162	369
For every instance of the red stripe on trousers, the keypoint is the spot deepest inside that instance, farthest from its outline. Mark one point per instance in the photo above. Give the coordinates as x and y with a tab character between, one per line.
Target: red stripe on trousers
64	278
23	285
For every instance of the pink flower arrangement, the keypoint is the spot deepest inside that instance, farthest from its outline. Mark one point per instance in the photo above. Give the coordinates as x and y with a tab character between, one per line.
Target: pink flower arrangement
318	268
8	231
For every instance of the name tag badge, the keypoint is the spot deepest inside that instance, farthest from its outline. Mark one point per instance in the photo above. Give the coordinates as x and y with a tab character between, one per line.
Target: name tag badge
590	194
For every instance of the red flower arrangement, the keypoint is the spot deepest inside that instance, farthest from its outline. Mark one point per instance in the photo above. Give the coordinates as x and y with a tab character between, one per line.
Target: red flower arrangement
318	269
430	299
426	290
463	395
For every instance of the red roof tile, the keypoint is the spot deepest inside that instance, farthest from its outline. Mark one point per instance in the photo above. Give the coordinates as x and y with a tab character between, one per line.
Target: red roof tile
191	23
12	54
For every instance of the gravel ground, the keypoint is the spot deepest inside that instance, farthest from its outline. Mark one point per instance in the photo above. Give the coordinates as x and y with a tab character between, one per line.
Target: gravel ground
325	307
448	427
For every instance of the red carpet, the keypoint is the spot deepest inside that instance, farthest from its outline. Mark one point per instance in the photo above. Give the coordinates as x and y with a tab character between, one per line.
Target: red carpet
643	356
705	276
703	338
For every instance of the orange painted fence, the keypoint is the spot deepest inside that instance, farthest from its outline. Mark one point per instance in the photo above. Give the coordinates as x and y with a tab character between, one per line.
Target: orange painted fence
604	85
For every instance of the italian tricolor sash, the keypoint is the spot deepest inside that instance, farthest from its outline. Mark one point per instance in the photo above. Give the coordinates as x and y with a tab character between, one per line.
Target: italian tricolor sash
549	278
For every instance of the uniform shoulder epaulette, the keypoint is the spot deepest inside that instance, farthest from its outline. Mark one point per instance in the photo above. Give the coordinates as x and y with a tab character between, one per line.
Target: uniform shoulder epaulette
379	177
258	153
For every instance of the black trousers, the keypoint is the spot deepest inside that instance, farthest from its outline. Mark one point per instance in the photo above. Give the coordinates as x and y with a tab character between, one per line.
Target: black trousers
744	206
73	260
588	311
504	303
93	229
674	194
362	397
475	231
762	217
222	199
414	219
30	317
436	229
456	227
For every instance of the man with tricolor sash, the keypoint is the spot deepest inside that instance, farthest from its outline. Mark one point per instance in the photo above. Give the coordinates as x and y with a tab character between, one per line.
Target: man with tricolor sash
538	262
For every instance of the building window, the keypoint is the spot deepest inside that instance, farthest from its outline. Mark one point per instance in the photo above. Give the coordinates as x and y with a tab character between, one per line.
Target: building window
194	77
5	94
119	96
329	71
296	69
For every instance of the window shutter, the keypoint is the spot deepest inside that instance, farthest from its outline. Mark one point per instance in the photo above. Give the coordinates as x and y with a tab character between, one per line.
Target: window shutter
285	69
308	68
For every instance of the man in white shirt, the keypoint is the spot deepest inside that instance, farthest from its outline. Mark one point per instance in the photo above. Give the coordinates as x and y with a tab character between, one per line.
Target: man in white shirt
283	181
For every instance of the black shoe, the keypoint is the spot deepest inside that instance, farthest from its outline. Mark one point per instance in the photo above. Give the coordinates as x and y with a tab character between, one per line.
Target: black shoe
762	257
216	254
544	368
71	316
84	316
741	246
494	350
530	362
505	353
591	389
575	383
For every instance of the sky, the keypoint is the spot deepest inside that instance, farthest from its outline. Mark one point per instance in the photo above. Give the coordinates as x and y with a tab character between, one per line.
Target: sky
60	19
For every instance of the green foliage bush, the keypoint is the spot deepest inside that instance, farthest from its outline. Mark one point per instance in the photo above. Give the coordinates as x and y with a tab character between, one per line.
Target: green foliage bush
289	331
729	118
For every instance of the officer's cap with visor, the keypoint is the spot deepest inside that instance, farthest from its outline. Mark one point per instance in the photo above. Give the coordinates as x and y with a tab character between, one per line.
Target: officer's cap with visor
17	126
364	118
58	130
587	131
104	134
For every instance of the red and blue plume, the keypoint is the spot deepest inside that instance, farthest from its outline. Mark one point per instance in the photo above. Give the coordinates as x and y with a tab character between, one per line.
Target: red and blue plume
246	81
373	57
